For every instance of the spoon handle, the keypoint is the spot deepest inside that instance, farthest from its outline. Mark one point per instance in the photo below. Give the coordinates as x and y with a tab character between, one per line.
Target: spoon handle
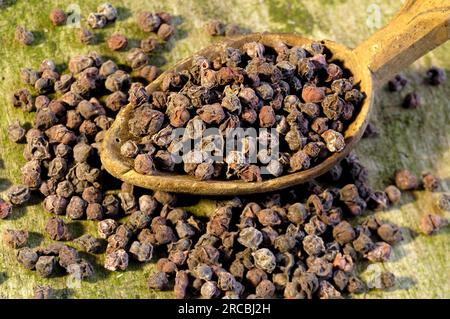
419	27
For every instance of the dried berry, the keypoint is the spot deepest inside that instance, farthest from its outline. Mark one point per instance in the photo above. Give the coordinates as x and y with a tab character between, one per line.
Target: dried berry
181	284
94	211
380	253
327	291
89	243
143	164
299	161
226	281
431	223
110	205
96	21
86	36
430	182
67	256
58	17
393	193
355	285
397	83
158	281
405	180
15	238
250	237
313	94
76	208
166	266
343	233
27	258
44	85
209	290
165	31
148	22
18	194
264	259
31	174
436	76
149	44
443	202
92	195
297	213
45	266
23	99
80	270
16	133
412	101
334	140
116	260
390	233
5	209
215	28
363	243
65	189
313	245
24	36
212	113
142	252
266	116
55	204
108	11
149	72
387	280
137	58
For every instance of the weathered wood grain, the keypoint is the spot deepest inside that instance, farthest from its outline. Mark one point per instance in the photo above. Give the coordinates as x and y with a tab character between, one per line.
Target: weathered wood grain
415	139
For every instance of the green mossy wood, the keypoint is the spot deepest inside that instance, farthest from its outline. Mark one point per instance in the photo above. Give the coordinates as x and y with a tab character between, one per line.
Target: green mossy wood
415	139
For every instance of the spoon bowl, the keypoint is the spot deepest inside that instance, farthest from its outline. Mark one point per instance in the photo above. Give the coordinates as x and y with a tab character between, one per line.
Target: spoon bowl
418	28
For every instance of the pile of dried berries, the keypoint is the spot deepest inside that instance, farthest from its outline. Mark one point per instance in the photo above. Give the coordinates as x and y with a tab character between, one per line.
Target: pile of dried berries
63	160
298	244
160	23
62	147
53	259
295	90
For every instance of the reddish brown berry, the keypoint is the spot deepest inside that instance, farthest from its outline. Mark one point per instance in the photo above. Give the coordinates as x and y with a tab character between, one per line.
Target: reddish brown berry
117	42
58	17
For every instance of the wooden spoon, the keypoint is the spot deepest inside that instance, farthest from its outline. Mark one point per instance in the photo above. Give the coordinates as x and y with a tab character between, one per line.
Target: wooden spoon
420	26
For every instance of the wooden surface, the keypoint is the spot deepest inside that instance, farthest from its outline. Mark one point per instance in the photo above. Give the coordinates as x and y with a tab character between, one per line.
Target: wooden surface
414	139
